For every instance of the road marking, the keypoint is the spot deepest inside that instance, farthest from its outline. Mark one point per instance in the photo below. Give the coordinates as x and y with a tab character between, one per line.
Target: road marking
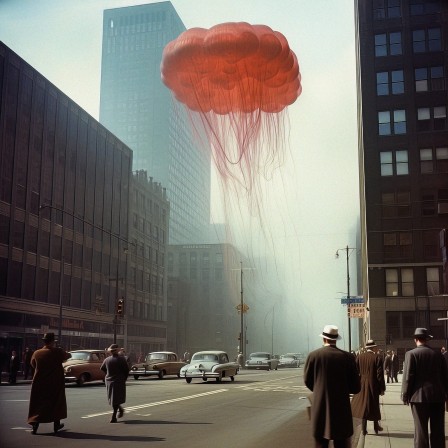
158	403
14	400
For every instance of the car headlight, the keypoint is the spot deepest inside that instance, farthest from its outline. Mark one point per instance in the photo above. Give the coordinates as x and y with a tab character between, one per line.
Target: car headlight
68	369
134	368
155	367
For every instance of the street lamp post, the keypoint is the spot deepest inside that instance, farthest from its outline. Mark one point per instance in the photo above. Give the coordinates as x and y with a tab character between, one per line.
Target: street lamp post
348	252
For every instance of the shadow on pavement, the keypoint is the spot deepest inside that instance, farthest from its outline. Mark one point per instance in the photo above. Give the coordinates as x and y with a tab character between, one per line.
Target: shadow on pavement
107	437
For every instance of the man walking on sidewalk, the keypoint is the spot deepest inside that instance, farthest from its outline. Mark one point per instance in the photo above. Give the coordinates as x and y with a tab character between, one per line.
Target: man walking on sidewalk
425	388
331	374
366	404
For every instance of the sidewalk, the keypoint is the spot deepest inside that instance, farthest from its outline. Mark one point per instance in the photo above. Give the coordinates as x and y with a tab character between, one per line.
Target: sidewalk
397	423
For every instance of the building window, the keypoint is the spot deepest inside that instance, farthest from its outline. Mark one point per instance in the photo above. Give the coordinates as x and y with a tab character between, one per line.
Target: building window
427	165
394	163
427	40
420	7
388	44
391	282
386	127
431	118
387	83
397	244
429	79
396	204
386	9
432	281
430	238
428	204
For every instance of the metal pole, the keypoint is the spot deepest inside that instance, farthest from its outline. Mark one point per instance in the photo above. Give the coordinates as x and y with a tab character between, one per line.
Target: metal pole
60	296
115	310
242	336
273	313
348	303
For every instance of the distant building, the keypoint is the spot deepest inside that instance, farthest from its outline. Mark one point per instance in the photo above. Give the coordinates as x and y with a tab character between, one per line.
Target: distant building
402	54
146	290
204	291
138	108
65	183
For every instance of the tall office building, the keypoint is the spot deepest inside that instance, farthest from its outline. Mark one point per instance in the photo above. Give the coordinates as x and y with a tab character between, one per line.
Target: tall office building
402	62
138	108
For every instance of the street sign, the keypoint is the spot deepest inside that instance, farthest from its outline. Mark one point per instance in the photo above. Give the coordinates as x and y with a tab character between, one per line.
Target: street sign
357	311
245	308
352	299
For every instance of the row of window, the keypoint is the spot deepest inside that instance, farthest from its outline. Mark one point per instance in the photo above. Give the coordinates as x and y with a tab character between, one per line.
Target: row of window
393	122
427	79
423	41
397	204
400	282
396	163
391	9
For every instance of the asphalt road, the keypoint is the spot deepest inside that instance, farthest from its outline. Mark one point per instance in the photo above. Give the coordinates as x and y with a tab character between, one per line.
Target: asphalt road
259	409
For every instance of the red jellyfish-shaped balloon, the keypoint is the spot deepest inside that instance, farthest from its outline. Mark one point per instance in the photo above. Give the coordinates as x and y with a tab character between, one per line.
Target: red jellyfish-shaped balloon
239	78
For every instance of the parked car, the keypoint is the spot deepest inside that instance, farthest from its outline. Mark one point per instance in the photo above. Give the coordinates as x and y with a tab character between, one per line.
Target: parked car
209	364
290	360
158	363
84	366
262	361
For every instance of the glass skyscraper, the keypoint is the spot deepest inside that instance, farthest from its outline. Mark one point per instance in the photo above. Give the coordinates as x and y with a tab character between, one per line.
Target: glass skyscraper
137	107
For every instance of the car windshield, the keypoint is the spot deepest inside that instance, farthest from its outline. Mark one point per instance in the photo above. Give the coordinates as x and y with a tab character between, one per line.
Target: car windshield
205	357
157	356
80	356
260	355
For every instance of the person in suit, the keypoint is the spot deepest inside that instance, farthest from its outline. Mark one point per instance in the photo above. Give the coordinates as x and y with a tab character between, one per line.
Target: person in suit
14	367
388	366
395	362
425	388
331	374
366	404
27	369
117	370
47	401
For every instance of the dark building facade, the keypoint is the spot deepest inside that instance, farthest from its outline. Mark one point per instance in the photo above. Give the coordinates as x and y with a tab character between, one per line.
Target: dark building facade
146	282
64	209
402	83
137	107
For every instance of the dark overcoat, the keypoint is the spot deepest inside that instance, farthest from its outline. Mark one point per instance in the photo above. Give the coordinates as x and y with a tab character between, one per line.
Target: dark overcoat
47	400
117	371
332	376
366	404
425	376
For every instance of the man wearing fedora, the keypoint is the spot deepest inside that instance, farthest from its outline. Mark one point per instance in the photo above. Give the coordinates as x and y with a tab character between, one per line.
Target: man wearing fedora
331	374
425	388
366	404
117	371
47	400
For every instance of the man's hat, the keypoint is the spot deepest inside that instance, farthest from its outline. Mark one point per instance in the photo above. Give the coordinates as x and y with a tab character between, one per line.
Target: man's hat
113	348
330	332
48	337
422	333
370	343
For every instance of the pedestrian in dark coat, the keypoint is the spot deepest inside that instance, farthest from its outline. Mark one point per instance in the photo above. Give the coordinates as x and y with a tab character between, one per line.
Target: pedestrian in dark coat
14	366
117	371
47	400
331	374
425	388
366	404
27	369
395	365
388	367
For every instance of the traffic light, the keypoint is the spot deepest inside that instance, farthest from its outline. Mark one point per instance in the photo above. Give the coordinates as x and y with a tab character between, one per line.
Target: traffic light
120	307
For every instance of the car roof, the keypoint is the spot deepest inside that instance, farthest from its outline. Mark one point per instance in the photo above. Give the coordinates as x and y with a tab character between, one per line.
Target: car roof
210	352
87	351
260	353
161	353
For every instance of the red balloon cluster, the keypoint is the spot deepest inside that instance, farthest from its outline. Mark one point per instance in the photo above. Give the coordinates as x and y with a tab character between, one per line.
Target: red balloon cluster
232	68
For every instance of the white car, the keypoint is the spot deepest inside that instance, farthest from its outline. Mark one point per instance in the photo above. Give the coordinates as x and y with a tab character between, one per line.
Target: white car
209	364
290	360
262	361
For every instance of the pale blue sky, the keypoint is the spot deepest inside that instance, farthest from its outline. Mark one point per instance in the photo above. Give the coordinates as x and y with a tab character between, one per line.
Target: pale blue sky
314	201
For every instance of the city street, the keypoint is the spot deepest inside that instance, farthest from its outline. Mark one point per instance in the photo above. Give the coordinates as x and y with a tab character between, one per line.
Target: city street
259	409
